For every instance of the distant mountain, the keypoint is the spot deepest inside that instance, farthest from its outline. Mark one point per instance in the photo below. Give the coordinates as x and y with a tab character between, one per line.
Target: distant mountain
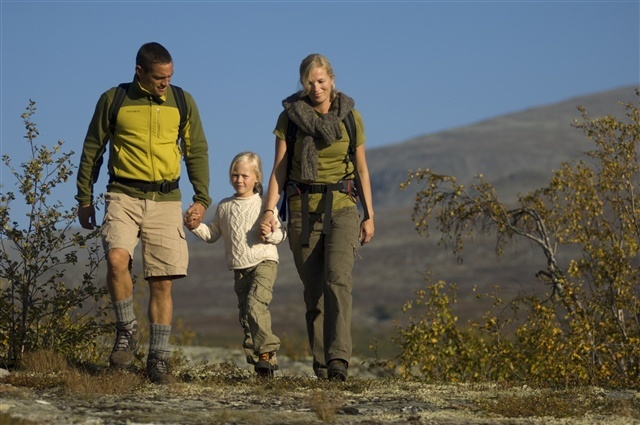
515	152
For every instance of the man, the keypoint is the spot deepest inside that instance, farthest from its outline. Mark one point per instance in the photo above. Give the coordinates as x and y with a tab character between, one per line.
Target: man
143	201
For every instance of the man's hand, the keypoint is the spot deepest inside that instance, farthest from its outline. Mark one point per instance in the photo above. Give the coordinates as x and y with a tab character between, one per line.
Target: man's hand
87	216
194	215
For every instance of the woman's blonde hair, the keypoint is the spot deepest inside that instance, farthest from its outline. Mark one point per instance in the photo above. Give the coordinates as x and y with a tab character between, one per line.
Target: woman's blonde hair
308	64
253	159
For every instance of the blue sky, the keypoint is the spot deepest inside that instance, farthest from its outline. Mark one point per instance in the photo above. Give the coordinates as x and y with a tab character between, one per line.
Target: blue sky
413	67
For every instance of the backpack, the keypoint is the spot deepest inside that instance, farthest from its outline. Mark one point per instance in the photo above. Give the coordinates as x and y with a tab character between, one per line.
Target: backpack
118	98
121	92
350	125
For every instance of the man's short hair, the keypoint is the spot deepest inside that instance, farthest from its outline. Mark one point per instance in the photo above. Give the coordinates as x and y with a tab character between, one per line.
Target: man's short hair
150	54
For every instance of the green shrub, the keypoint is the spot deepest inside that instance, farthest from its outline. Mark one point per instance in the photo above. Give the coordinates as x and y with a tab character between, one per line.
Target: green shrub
584	327
40	307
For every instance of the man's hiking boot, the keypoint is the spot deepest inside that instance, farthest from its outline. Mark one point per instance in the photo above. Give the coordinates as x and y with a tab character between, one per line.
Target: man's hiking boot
267	365
125	346
338	370
158	370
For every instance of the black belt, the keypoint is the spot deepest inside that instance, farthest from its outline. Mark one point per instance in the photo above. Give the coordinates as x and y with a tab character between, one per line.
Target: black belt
302	189
162	187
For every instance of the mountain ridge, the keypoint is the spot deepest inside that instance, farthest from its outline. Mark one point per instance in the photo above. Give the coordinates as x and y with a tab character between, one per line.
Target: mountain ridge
516	152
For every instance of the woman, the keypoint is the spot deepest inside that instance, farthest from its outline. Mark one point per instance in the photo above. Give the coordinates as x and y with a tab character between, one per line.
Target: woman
324	224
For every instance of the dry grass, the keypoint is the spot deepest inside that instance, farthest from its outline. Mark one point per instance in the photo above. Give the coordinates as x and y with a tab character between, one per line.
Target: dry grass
573	403
47	369
538	404
44	362
327	401
325	405
107	382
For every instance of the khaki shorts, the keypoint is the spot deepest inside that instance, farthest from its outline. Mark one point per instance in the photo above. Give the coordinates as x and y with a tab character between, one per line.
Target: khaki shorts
158	225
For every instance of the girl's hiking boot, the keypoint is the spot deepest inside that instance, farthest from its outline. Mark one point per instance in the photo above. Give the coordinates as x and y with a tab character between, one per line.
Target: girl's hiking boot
337	370
125	346
158	370
266	365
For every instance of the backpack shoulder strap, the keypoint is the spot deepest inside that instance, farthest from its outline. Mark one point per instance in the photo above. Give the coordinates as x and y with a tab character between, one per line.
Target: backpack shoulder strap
118	98
290	139
350	124
181	102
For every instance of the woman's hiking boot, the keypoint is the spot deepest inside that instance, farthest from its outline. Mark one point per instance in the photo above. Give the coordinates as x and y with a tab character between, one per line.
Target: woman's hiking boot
338	370
320	370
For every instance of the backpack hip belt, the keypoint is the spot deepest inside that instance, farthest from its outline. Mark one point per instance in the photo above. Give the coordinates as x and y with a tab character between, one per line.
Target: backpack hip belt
303	190
162	187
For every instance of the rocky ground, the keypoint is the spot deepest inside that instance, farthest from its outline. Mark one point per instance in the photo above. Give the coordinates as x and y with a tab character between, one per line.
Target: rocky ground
295	397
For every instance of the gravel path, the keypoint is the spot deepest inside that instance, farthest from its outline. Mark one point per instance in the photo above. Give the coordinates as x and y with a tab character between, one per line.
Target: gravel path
293	397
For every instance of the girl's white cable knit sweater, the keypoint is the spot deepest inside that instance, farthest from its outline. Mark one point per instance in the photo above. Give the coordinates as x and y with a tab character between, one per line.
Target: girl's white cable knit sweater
237	220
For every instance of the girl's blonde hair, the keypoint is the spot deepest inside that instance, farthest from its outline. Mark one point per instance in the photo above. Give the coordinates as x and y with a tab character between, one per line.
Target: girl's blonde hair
253	159
308	64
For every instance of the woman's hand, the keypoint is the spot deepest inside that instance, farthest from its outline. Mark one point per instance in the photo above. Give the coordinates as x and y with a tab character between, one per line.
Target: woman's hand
268	224
367	229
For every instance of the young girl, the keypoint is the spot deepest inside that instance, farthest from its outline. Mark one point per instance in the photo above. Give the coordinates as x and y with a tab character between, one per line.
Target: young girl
253	260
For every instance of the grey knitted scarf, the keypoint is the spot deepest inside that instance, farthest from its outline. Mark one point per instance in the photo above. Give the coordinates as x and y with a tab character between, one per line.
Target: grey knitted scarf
320	130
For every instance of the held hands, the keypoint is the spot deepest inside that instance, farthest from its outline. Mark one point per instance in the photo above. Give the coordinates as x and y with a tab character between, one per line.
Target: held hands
268	224
194	216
